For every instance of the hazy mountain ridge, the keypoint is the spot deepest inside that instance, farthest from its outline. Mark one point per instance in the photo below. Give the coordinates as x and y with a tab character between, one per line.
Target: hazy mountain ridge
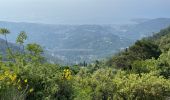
76	43
146	28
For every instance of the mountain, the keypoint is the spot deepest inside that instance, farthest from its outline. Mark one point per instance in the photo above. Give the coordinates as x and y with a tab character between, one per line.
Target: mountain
146	28
78	43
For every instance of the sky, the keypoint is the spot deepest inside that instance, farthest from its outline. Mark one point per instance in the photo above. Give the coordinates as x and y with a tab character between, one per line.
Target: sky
82	11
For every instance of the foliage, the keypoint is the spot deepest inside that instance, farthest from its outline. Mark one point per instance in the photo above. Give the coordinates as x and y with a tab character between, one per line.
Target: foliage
145	87
12	87
163	63
94	86
141	50
4	31
21	37
145	75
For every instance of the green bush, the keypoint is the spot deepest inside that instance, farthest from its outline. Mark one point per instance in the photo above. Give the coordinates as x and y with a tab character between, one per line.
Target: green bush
145	87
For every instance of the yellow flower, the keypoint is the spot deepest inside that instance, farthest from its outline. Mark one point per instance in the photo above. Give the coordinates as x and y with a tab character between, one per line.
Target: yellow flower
69	77
14	77
25	80
6	73
67	74
1	78
31	90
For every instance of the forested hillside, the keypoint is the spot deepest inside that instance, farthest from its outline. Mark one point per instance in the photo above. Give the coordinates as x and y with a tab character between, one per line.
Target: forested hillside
147	48
140	72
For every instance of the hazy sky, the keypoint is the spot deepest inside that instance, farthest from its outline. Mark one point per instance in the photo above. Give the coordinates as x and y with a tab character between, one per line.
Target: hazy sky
82	11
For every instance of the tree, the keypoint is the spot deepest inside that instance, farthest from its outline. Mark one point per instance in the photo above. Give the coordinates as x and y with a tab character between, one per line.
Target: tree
163	63
35	52
145	49
4	31
21	38
141	50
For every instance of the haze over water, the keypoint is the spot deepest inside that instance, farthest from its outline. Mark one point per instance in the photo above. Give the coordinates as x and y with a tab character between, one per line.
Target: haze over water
82	11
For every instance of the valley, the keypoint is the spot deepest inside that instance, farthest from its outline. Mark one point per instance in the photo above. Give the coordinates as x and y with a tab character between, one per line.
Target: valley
72	44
